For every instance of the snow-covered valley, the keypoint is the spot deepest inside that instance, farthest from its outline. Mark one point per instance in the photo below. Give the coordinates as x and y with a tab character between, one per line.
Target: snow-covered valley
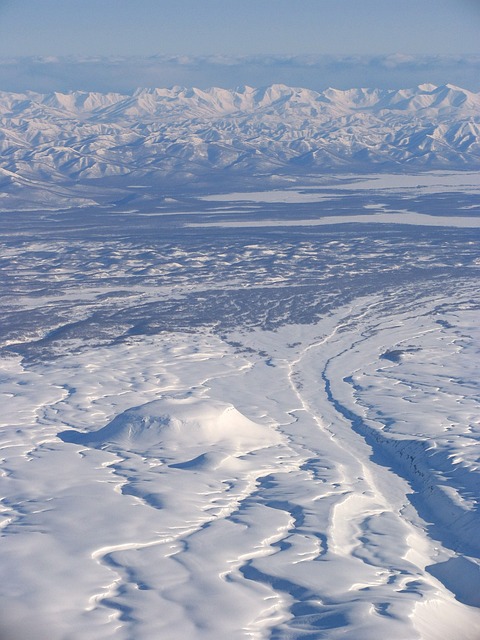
249	411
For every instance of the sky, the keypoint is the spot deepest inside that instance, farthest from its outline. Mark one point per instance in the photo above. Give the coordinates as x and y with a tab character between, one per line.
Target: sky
169	29
147	27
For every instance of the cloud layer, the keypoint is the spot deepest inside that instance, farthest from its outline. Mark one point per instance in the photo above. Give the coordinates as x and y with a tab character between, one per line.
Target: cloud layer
123	74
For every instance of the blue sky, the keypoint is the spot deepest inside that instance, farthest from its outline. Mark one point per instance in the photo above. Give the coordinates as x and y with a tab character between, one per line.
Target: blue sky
118	45
147	27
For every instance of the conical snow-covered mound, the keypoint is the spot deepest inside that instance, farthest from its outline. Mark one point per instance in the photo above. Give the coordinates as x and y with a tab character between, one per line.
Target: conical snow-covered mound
172	425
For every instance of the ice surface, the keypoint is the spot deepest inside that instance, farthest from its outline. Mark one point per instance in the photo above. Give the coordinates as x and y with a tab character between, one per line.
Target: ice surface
243	430
392	217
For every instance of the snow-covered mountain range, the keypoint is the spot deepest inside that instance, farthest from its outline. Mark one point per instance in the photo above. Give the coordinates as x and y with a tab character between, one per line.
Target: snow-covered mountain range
63	138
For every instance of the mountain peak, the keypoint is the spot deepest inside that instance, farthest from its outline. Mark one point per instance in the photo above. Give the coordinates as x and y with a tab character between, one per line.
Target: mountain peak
427	87
168	132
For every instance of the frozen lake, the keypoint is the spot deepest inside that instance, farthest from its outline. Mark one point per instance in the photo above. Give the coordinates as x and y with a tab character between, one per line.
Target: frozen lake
244	415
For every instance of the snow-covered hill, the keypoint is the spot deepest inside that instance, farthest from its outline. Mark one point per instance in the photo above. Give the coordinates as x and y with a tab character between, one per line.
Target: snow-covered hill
61	138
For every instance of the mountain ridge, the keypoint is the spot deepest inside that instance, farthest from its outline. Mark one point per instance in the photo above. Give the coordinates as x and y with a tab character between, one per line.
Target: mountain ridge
160	133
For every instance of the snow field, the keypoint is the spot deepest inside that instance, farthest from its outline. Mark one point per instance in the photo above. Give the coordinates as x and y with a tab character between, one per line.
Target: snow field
154	492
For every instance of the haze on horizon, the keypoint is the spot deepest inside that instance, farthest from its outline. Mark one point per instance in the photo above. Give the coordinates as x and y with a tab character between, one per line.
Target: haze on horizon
118	45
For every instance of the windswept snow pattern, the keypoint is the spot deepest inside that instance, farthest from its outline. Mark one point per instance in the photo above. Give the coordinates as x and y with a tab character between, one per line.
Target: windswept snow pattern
243	415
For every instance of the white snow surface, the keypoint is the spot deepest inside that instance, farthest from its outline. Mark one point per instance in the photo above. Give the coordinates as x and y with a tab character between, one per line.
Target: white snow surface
176	486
